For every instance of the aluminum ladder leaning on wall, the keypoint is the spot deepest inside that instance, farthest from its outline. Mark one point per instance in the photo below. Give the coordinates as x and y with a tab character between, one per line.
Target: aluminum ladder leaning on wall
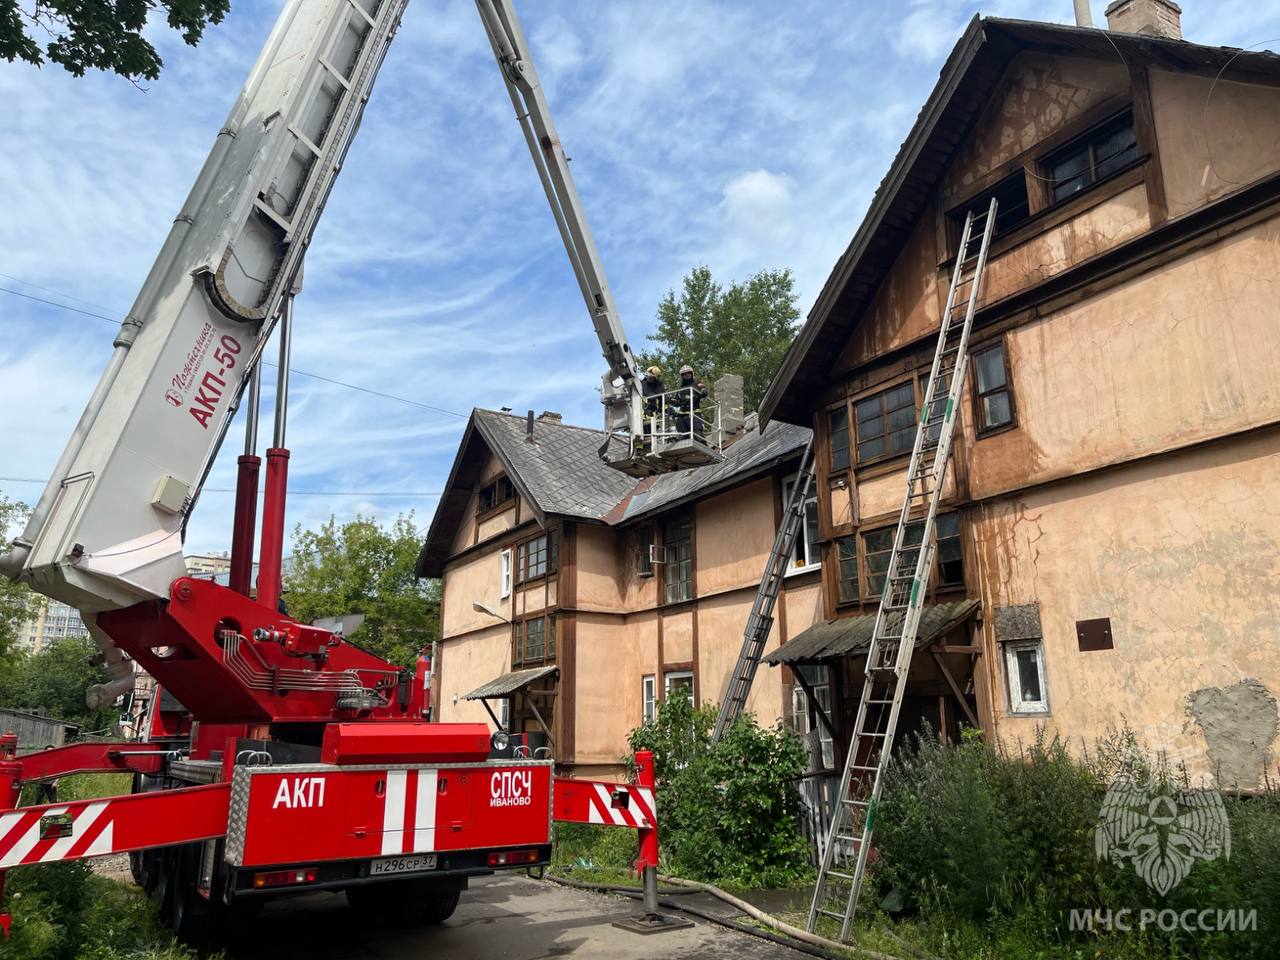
893	640
760	621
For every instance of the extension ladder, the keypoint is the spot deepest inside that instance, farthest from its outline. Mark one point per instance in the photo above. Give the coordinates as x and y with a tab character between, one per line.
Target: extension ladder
760	622
893	640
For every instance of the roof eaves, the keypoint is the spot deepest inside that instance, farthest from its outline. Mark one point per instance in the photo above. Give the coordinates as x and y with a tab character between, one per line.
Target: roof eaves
952	73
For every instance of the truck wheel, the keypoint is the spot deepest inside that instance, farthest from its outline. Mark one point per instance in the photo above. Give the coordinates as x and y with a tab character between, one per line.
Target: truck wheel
403	902
189	913
163	864
436	907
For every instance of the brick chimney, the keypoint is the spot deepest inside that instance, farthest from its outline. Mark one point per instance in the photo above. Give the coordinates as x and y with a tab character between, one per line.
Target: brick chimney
728	393
550	416
1156	18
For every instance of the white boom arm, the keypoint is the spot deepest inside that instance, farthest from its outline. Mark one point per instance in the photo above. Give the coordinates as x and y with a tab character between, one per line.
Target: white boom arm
107	531
624	406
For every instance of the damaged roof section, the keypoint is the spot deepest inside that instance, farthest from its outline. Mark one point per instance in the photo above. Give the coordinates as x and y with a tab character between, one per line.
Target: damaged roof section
968	79
559	472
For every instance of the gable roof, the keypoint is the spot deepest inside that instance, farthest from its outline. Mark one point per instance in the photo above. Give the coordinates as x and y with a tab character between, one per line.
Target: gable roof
560	473
967	80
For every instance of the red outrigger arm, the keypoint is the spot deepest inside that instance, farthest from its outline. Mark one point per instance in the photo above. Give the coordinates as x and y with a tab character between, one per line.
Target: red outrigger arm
256	828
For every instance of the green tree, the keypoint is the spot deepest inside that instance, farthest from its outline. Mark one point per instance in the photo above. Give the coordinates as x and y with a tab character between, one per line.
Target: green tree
103	34
55	680
16	601
362	567
744	329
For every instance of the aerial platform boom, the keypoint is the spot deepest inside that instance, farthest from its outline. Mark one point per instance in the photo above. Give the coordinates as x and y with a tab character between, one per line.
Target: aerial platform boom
107	531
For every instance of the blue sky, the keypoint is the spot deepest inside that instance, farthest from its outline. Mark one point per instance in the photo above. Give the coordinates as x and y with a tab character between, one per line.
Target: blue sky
744	135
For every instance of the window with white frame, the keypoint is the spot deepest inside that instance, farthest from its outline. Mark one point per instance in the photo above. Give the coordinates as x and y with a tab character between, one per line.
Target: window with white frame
807	552
504	713
649	697
506	574
678	683
1024	669
804	724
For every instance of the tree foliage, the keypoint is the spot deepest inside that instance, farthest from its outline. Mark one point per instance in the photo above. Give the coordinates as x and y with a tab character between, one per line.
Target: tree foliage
55	680
729	810
16	601
743	329
100	34
362	567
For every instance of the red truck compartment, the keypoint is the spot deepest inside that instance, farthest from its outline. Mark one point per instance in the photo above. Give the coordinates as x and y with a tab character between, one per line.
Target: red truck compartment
319	812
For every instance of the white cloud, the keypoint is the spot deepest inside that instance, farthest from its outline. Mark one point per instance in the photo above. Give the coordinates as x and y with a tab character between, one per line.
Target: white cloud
758	205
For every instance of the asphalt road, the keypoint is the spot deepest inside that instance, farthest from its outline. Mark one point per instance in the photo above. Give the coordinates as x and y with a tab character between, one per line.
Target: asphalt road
505	916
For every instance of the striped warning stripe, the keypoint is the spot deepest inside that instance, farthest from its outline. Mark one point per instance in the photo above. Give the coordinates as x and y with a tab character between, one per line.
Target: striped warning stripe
409	814
20	840
638	814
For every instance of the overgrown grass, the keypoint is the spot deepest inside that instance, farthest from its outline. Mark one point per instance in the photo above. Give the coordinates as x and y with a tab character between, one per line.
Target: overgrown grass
84	786
63	911
984	852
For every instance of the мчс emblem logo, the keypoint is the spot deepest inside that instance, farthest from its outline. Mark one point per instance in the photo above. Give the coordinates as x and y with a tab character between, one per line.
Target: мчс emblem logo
1161	829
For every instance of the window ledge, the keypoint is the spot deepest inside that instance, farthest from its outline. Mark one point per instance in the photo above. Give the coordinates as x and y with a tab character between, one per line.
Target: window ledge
1027	713
801	571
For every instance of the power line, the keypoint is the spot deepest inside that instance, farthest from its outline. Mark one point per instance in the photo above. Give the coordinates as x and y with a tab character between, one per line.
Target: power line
292	493
292	370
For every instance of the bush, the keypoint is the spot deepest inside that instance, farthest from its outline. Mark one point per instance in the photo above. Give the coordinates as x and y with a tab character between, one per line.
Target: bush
727	811
978	837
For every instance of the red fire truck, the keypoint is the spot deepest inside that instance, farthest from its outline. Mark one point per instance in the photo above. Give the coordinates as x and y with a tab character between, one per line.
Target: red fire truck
279	756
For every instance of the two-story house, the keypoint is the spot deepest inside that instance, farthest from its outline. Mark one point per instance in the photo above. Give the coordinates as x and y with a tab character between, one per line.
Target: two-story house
575	599
1108	550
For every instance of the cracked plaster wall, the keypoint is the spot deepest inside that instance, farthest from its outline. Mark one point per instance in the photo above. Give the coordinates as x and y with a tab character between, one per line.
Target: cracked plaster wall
1182	553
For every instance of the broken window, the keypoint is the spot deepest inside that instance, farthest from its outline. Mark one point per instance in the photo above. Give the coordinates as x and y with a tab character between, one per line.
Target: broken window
848	550
838	422
1024	668
1104	150
1012	207
886	422
995	401
948	558
495	494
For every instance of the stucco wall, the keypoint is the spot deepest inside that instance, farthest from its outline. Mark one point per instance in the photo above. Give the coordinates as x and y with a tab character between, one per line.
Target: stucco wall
1186	352
1038	96
1182	553
475	578
466	663
1214	137
608	688
735	532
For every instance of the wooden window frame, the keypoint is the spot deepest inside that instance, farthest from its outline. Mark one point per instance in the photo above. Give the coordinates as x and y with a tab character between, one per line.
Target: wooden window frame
497	484
980	428
914	379
520	634
849	446
670	561
552	553
1046	159
868	595
507	575
648	697
837	547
